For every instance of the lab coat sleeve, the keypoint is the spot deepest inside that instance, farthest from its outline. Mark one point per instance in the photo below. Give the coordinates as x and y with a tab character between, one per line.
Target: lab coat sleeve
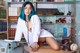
18	33
35	27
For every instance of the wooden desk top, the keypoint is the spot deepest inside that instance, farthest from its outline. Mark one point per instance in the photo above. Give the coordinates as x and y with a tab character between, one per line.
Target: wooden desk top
46	49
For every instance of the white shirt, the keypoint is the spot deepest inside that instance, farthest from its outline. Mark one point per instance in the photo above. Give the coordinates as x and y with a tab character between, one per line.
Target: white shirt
22	28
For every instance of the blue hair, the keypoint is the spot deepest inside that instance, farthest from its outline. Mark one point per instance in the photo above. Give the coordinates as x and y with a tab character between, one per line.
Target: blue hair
22	15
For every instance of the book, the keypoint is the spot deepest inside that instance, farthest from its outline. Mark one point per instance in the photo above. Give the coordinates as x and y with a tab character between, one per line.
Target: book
4	26
12	32
2	13
3	36
0	26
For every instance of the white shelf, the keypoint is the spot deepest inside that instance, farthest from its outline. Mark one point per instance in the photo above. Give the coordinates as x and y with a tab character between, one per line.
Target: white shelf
3	19
66	2
3	32
2	6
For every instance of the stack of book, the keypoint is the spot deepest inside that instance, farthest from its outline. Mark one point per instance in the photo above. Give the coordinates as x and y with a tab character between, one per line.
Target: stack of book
39	0
3	26
3	36
14	11
48	12
68	0
11	32
2	13
18	0
55	0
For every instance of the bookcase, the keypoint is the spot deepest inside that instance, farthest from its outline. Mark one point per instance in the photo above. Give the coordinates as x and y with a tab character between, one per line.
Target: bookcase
3	22
12	17
57	16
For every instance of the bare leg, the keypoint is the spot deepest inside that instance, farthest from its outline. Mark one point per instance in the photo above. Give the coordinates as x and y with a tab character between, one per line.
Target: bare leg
51	42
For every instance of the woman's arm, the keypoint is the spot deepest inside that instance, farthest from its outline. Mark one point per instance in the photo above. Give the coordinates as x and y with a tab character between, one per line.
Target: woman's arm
36	27
18	33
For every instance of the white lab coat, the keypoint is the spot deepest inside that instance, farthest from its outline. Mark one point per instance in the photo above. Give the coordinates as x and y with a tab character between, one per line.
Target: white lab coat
33	36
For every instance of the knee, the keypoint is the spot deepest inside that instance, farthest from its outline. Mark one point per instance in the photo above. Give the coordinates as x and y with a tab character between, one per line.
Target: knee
56	47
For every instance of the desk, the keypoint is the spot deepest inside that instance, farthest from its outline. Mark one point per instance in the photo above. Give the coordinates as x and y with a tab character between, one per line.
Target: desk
47	49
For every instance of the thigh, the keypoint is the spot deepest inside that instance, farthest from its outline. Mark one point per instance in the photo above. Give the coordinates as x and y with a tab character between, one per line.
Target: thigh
52	43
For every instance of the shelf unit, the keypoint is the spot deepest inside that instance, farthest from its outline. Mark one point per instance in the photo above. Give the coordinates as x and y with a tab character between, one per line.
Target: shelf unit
3	23
57	28
12	18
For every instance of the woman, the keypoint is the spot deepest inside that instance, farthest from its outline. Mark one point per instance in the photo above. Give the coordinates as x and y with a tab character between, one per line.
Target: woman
29	25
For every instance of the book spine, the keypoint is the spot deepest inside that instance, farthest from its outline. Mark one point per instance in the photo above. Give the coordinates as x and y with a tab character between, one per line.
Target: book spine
0	26
9	32
4	26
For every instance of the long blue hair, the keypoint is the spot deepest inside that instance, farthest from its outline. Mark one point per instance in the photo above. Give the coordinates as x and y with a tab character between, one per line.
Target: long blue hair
33	12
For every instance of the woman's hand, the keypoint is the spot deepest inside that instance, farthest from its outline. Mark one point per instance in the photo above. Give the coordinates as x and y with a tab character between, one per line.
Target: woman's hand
34	46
